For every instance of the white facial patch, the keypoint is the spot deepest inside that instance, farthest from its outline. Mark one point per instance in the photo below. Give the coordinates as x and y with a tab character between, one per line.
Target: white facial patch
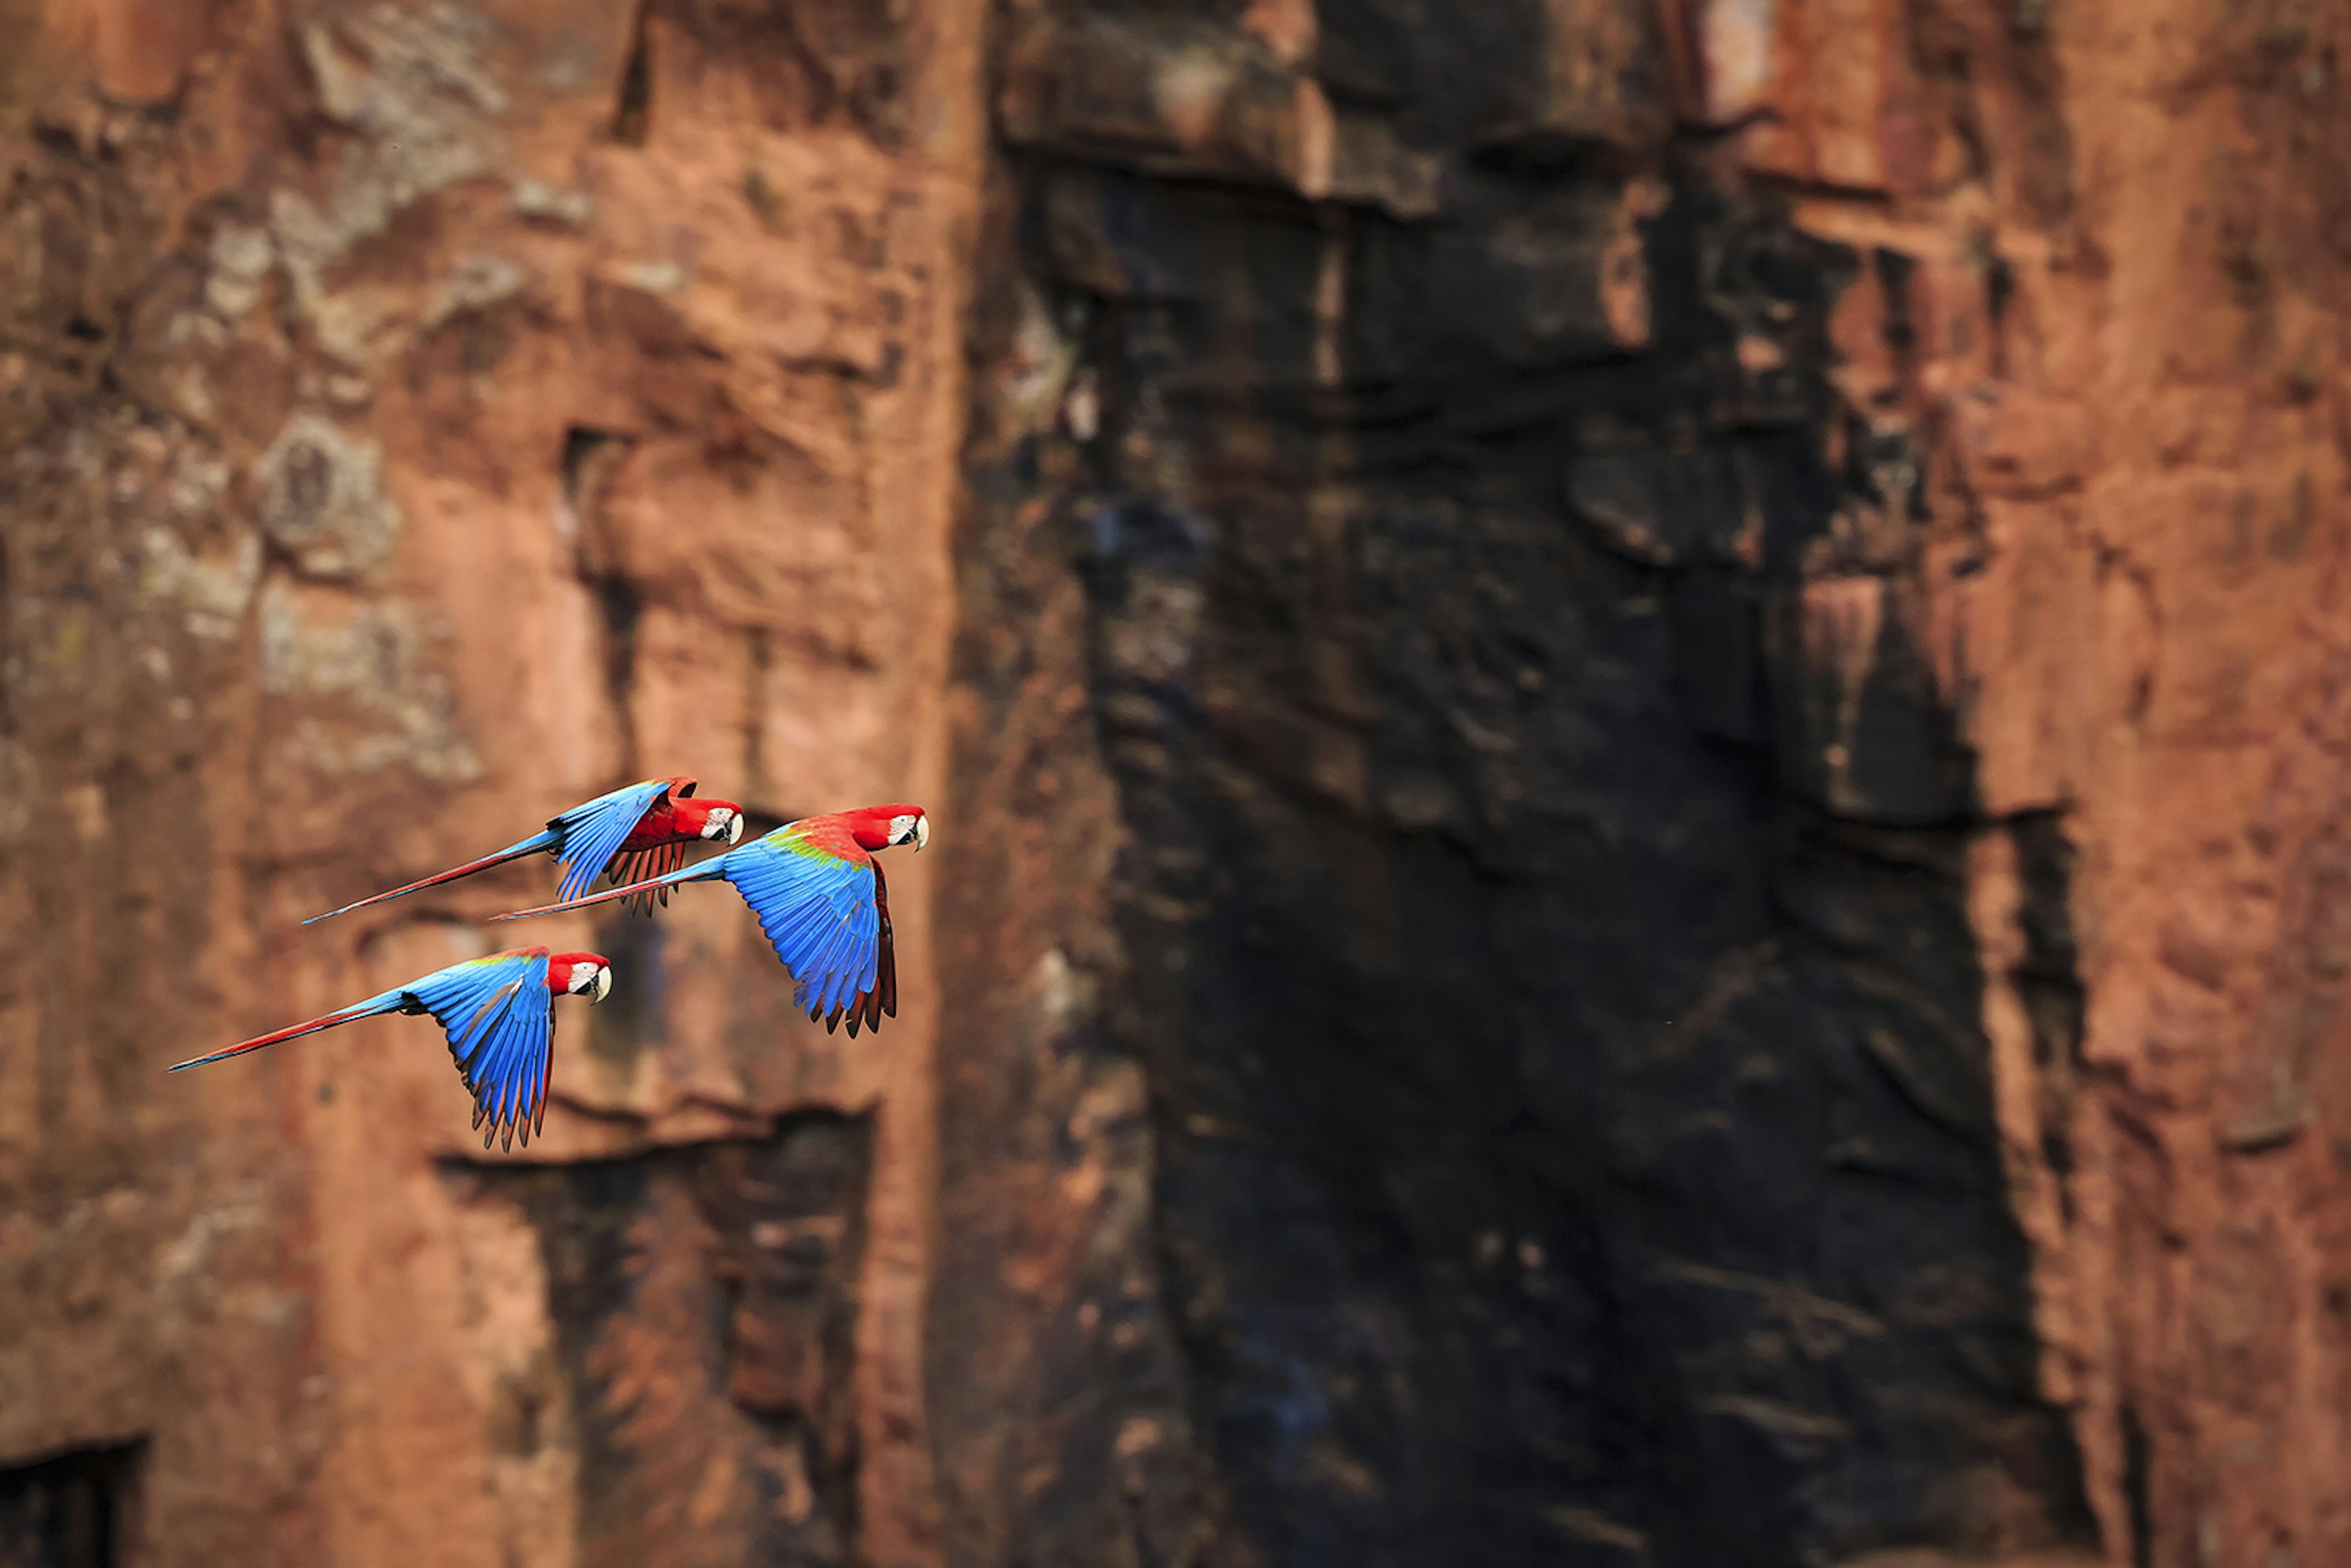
904	825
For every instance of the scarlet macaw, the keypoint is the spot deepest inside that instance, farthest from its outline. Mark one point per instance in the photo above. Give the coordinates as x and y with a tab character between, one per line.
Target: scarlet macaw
822	900
631	833
500	1014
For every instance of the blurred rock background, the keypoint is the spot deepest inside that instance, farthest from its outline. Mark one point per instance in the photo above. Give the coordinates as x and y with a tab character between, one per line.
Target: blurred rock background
1638	714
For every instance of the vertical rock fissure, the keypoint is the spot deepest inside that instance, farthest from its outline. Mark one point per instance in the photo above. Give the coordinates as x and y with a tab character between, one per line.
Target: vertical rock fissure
620	604
2049	983
2138	1488
633	111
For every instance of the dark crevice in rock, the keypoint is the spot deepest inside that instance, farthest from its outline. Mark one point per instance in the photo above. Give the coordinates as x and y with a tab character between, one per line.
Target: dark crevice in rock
704	1303
620	604
2138	1487
633	115
75	1509
629	1022
580	446
2049	983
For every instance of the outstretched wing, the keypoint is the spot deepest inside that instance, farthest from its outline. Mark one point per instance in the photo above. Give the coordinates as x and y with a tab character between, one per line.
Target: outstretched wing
819	912
593	832
641	865
501	1025
881	996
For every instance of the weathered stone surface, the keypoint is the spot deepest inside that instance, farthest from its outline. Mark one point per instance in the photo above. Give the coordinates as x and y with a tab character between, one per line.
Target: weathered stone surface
1640	831
689	1396
1173	94
307	584
322	499
1664	507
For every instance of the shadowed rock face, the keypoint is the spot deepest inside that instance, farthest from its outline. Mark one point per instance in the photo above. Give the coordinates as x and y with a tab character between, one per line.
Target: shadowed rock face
1634	715
1620	662
699	1379
1543	906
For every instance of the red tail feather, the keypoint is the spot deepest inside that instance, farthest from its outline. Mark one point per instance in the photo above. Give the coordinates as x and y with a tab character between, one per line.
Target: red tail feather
347	1015
529	847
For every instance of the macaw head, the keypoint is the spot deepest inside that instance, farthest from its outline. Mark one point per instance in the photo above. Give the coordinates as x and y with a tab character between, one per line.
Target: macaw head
908	825
586	974
705	818
884	827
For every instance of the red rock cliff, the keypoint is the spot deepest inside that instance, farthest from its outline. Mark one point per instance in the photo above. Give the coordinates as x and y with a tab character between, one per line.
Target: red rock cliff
1635	714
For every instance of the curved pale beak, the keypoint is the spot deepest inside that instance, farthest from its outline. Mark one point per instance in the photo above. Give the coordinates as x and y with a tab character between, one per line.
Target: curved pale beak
723	824
734	827
922	833
600	987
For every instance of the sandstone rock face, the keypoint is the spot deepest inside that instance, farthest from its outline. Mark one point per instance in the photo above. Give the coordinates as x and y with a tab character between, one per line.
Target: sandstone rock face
1635	714
417	419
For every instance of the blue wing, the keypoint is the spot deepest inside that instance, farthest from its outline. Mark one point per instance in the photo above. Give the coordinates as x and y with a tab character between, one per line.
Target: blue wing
593	832
501	1025
819	913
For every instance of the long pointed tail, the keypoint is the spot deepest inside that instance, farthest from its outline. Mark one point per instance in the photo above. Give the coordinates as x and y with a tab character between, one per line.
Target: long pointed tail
715	867
388	1002
536	844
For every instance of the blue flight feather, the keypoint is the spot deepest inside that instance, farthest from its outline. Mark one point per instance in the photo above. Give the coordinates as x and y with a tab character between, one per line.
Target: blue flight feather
817	912
818	907
584	838
593	832
500	1020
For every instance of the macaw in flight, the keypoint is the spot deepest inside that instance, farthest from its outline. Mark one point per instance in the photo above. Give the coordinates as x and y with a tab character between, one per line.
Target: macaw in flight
822	900
632	833
499	1015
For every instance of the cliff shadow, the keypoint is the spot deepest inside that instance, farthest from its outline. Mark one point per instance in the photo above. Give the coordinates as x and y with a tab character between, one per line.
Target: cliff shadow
1543	911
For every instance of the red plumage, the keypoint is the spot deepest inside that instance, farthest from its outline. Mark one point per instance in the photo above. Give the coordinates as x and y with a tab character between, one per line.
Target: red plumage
657	843
559	968
867	828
